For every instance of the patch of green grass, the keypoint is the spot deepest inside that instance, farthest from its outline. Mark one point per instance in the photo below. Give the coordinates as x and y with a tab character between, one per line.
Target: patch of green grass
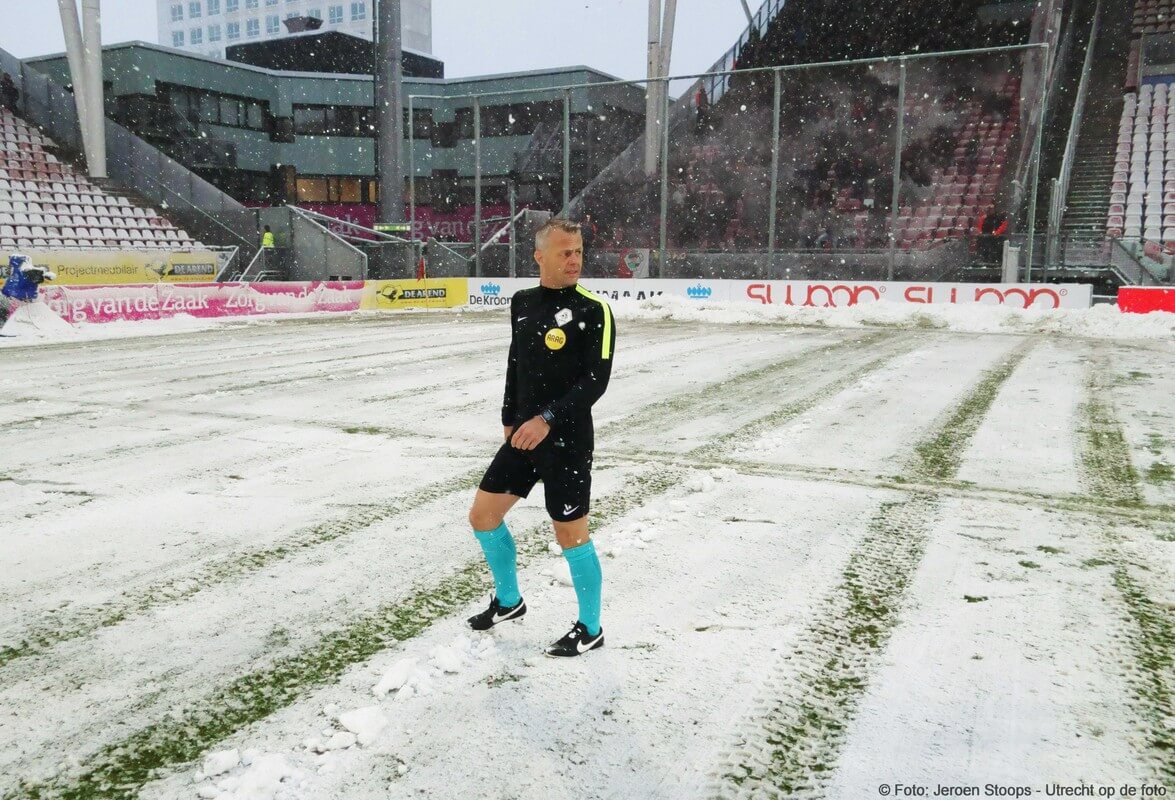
972	598
1090	563
277	638
1159	473
1052	551
1106	455
495	681
940	456
1029	564
368	429
1154	663
803	730
1155	444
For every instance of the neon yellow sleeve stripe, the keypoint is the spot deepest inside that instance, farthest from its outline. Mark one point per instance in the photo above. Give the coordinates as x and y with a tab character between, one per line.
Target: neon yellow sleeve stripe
606	347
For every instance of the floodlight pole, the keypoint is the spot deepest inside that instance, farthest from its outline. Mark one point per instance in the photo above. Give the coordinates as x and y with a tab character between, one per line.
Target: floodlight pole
95	105
747	11
75	53
651	108
389	88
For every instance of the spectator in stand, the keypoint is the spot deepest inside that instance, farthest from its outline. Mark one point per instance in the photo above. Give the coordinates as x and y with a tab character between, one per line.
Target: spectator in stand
702	111
992	227
588	230
9	94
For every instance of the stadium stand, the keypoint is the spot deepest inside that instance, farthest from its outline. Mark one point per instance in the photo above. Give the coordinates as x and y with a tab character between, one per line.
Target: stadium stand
1142	190
836	140
1154	16
45	203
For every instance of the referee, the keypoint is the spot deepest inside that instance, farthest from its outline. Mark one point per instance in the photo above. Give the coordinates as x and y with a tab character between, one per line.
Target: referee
561	343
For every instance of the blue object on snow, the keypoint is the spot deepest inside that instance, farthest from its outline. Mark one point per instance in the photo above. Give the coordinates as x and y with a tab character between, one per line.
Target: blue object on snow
23	278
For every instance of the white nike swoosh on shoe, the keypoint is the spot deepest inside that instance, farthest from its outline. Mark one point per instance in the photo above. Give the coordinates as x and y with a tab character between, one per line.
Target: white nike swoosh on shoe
520	319
499	616
583	646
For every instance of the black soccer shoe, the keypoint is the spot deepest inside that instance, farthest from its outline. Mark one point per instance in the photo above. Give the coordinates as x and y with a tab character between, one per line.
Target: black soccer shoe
495	614
576	642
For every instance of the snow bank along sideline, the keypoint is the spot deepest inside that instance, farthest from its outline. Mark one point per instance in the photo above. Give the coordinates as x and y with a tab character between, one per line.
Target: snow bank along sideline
955	306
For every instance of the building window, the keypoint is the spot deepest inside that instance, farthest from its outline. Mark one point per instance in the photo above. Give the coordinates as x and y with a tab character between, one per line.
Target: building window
194	10
177	12
253	28
330	190
336	15
232	31
177	38
251	4
315	12
213	7
333	121
273	25
213	33
232	6
196	36
270	3
358	11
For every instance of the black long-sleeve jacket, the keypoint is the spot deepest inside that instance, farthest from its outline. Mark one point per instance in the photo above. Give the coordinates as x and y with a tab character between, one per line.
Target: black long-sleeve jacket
560	356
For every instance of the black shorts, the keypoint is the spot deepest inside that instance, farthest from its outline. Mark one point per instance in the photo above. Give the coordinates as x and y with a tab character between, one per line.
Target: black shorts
564	468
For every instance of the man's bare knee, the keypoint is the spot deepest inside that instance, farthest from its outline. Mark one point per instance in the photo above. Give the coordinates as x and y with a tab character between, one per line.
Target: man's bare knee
484	519
572	534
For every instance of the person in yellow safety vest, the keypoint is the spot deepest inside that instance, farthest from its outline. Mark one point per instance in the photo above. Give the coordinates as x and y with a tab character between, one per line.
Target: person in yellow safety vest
267	239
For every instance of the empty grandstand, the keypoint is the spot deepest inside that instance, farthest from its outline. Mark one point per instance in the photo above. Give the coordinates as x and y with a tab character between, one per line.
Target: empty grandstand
45	203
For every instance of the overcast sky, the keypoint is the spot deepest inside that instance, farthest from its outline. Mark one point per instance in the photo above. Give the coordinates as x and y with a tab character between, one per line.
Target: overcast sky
472	37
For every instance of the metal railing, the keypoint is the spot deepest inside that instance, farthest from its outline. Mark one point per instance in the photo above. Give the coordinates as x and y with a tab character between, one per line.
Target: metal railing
1060	184
318	252
717	86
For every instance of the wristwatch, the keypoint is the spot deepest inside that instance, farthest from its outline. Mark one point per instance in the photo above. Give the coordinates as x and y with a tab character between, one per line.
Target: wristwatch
548	416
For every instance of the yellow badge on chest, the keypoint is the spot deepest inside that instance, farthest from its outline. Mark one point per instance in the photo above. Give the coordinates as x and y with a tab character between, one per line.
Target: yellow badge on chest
555	339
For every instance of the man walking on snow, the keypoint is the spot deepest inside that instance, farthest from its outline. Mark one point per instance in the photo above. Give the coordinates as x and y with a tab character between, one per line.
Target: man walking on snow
562	338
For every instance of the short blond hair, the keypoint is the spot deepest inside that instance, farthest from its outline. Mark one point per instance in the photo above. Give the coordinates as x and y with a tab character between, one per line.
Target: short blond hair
554	224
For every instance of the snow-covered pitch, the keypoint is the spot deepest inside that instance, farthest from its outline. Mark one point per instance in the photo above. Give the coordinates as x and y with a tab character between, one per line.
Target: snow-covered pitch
841	551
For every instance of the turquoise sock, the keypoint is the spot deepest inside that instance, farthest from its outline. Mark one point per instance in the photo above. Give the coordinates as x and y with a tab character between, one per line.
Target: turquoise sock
498	545
588	580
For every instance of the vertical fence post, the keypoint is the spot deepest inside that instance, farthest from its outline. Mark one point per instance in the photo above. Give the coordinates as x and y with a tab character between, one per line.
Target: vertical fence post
513	232
895	196
1052	240
664	180
773	203
477	187
1035	167
411	173
566	153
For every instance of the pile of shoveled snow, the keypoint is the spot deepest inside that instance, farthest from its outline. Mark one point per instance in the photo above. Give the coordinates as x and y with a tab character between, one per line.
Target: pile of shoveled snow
1099	322
36	323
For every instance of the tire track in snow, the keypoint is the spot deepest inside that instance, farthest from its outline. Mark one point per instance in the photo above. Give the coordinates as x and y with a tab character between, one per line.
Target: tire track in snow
118	770
798	722
1148	632
1074	503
